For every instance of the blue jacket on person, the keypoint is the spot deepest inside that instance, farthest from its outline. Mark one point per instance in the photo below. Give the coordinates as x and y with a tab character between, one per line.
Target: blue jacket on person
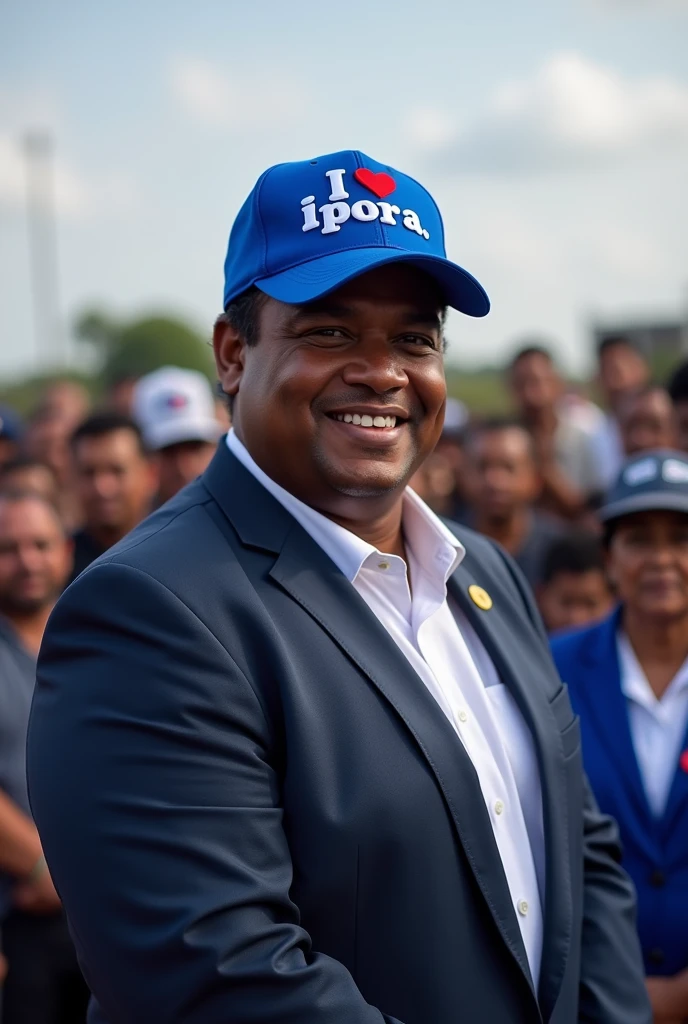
655	850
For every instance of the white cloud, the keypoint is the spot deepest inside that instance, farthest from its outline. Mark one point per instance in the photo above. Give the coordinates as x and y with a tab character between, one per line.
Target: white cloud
430	127
250	100
569	113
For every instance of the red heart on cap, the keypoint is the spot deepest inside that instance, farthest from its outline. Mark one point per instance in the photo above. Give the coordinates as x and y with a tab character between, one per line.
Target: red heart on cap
379	184
683	761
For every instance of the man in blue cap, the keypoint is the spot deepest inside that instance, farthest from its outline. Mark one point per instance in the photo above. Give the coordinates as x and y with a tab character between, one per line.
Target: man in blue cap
298	751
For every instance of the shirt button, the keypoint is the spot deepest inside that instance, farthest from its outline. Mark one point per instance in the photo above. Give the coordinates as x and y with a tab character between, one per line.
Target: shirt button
462	716
383	565
499	807
523	907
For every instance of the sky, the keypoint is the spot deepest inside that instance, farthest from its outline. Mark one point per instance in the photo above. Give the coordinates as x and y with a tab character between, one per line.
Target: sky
554	137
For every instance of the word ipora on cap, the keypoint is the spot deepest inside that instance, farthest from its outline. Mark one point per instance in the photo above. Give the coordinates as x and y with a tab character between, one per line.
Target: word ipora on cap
337	211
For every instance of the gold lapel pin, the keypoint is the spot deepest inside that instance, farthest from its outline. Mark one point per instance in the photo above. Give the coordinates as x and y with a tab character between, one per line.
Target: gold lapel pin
480	597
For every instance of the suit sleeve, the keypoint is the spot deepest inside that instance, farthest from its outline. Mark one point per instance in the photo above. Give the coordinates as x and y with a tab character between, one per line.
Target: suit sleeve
612	985
153	784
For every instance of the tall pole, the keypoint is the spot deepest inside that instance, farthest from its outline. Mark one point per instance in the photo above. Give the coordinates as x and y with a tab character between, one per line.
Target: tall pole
42	228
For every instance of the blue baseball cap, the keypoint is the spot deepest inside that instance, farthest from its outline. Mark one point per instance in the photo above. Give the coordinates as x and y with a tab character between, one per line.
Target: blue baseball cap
649	482
309	227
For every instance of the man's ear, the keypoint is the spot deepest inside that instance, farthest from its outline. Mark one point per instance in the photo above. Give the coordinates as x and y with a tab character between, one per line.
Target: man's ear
230	349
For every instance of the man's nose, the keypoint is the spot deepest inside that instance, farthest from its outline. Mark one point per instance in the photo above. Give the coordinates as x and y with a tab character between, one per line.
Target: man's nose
376	366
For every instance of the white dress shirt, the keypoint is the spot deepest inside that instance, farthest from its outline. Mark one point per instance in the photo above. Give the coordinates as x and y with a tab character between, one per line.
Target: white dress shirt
451	661
657	725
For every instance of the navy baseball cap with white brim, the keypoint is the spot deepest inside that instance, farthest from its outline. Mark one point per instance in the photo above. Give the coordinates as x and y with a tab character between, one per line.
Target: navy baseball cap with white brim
308	228
650	482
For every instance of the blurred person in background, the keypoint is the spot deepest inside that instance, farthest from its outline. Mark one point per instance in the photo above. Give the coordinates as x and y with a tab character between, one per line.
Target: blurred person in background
622	370
646	421
175	410
574	590
439	481
628	681
119	395
678	391
115	483
563	449
66	400
222	414
31	476
502	487
43	984
47	440
11	432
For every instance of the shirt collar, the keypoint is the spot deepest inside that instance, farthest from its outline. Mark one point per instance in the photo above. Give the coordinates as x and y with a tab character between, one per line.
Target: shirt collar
634	683
433	545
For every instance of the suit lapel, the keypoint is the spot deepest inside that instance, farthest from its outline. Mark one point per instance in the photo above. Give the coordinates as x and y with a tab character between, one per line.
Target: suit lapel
606	711
308	575
311	578
499	634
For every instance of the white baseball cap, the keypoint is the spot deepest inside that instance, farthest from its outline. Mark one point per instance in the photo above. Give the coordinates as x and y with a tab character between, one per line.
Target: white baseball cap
173	405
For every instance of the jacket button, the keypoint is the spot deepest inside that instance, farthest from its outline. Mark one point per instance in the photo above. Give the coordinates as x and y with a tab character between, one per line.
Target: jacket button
657	879
656	956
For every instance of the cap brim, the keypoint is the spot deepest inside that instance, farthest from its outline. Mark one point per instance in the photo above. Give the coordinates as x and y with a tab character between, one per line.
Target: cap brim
659	501
318	277
165	434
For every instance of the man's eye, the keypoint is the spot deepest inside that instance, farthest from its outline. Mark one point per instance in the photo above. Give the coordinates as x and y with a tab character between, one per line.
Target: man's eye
417	339
329	332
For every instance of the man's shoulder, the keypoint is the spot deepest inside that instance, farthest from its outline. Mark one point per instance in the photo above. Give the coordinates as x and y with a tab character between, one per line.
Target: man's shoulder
179	536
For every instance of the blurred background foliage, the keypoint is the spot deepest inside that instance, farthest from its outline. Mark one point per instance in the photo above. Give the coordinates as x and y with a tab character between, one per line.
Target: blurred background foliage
114	349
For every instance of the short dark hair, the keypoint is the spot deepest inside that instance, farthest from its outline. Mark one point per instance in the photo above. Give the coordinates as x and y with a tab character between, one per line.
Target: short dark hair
497	425
243	314
24	462
531	349
617	341
577	552
15	497
678	384
101	424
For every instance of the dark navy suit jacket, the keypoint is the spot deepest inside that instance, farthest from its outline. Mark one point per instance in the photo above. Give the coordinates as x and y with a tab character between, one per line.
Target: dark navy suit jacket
256	813
655	850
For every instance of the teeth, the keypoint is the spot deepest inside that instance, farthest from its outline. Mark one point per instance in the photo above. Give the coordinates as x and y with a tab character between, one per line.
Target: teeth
366	421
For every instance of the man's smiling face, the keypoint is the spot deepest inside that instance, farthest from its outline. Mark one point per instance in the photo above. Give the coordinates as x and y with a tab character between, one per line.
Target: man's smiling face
344	397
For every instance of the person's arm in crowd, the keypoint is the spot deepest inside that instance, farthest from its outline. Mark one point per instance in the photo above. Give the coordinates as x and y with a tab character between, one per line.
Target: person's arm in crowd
154	777
669	998
557	488
21	855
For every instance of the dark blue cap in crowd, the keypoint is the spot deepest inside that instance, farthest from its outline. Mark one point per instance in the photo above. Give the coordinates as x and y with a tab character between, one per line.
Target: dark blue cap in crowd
11	428
309	227
649	482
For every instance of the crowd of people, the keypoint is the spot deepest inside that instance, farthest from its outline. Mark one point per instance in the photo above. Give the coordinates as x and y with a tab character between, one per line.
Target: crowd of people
74	480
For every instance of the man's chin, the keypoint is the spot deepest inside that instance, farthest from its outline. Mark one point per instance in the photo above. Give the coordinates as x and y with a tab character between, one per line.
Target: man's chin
370	484
28	605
